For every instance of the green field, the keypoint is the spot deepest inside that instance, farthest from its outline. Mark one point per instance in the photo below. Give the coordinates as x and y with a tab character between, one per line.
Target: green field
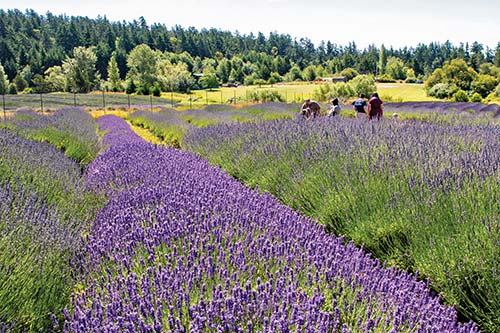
294	93
403	92
290	92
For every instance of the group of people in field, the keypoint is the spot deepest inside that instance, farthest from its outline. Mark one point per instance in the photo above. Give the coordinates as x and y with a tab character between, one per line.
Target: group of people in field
372	109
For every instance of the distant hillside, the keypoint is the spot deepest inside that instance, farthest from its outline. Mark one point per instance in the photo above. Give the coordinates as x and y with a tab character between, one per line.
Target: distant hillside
42	41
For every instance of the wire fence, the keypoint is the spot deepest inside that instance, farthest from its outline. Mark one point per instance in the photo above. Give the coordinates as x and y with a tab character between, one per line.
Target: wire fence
49	101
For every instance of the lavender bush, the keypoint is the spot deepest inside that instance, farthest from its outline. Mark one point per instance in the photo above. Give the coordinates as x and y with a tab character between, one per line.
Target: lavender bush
44	210
38	165
117	131
165	124
70	129
183	247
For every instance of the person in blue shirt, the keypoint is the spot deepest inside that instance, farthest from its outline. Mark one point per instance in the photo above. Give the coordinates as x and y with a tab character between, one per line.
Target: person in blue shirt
360	105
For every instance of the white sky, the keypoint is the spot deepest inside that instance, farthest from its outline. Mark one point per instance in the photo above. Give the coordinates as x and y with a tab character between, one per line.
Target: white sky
391	22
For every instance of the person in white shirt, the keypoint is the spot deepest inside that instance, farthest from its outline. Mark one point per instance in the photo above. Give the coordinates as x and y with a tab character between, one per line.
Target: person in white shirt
335	108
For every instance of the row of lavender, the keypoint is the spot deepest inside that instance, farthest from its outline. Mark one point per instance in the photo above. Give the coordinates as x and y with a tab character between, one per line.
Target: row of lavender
70	129
441	106
447	112
183	247
44	210
422	196
171	125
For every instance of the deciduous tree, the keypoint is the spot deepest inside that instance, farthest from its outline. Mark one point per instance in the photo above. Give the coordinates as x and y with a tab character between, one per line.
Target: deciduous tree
4	83
142	63
174	77
396	68
80	71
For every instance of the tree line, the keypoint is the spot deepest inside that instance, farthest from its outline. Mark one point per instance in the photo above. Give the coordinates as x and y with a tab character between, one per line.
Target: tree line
67	53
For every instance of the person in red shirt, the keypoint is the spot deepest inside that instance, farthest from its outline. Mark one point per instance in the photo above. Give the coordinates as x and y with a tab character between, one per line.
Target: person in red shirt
375	107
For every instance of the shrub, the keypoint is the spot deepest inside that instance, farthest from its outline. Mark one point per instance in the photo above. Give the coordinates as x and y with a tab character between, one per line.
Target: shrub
249	80
328	91
460	96
143	89
12	90
492	97
442	90
484	84
322	92
210	81
385	78
476	98
20	83
260	82
266	96
497	91
349	73
294	74
130	89
362	84
274	78
156	90
309	73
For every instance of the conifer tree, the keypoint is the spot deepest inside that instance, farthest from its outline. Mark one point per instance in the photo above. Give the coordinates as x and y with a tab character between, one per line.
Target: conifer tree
114	75
382	60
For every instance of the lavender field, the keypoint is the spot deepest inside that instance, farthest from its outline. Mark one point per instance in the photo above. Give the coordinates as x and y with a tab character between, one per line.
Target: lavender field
342	226
183	247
